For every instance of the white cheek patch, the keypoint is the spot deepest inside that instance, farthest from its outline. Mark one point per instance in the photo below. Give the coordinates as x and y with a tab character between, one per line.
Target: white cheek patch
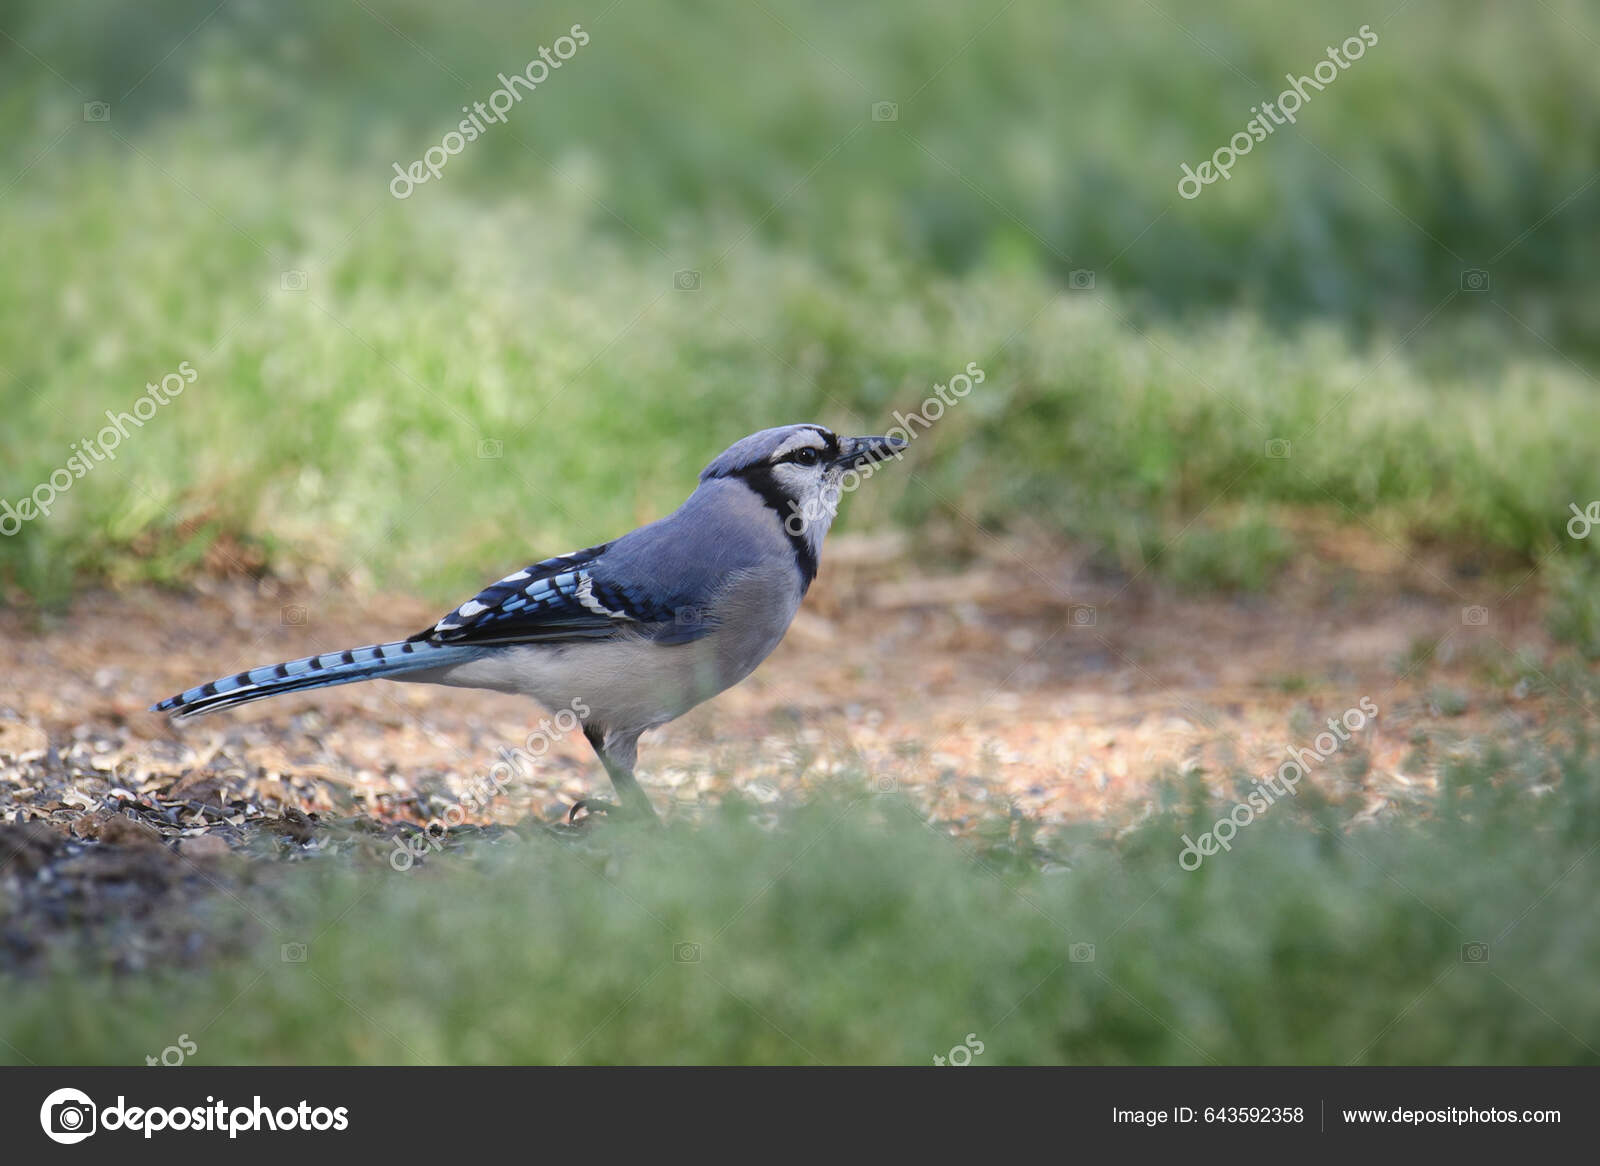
818	503
795	481
828	496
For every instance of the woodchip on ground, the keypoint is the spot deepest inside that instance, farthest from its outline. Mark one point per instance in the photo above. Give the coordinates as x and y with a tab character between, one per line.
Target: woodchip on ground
1025	686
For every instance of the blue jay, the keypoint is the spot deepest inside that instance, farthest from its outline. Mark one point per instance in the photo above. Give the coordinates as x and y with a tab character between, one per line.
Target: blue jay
638	630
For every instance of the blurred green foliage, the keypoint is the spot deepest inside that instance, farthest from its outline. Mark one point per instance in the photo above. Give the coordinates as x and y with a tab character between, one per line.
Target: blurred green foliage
849	931
503	366
1039	134
527	296
1573	616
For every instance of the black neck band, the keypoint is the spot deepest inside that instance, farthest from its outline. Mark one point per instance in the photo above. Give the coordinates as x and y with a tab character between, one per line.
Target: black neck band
760	479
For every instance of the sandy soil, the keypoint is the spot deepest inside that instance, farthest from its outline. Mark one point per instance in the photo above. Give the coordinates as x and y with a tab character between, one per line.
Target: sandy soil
1023	687
1022	684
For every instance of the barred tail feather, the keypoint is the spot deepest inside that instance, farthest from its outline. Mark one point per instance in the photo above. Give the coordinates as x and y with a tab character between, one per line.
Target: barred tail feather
364	663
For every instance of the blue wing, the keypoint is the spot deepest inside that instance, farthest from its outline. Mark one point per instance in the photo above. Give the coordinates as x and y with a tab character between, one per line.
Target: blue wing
568	597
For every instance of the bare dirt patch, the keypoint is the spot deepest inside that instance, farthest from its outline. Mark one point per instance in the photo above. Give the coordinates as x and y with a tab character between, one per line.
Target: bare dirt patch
1026	686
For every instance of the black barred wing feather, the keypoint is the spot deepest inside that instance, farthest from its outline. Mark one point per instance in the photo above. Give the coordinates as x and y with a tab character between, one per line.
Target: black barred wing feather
569	597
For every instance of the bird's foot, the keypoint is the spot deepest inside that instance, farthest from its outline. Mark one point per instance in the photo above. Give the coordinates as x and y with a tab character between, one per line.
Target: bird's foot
587	807
641	813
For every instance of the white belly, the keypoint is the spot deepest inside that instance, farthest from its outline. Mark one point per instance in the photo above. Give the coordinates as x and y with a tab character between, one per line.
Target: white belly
627	684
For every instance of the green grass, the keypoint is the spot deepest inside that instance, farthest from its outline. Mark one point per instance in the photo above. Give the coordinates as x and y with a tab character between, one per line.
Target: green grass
344	423
526	297
850	932
1574	611
1293	340
1035	136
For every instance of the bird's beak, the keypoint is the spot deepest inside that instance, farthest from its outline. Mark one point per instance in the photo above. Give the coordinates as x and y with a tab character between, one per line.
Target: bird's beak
855	452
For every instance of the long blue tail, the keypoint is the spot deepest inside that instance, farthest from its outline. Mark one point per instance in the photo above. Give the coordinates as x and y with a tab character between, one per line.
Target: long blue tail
314	672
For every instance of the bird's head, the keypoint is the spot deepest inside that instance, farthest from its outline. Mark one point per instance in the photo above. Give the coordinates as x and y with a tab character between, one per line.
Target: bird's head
802	472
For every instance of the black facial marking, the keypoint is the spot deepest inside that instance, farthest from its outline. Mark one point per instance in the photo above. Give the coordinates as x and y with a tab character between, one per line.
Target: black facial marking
812	454
762	480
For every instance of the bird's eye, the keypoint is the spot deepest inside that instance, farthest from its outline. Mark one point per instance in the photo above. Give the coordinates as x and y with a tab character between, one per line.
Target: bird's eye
806	457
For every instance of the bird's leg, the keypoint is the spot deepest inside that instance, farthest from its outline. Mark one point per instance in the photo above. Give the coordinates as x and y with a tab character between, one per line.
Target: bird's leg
618	758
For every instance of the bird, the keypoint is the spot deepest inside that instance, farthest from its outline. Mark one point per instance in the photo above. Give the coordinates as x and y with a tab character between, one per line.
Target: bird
636	631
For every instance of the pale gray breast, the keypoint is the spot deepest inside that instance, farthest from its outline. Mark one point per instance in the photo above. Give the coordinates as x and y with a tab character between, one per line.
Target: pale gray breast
753	613
756	603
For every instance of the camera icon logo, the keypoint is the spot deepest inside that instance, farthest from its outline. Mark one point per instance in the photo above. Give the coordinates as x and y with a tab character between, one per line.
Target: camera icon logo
293	281
1475	616
686	280
293	615
491	447
1474	279
1081	280
1082	615
68	1116
885	111
96	111
688	617
292	953
1278	447
1081	953
1474	953
686	953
